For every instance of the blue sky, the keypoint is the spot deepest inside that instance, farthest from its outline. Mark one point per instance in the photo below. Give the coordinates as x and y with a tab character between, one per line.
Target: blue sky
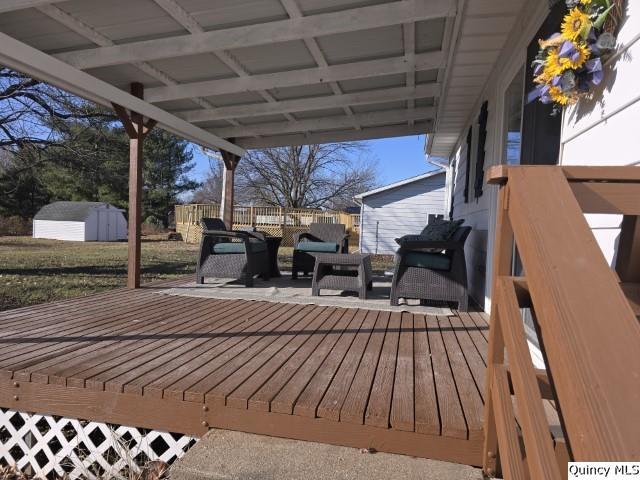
397	158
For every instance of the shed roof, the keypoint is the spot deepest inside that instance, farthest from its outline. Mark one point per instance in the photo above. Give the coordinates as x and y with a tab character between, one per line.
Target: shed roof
268	72
406	181
68	211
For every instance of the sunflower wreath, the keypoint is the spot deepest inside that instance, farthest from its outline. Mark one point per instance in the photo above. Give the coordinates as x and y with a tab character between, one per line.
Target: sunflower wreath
569	63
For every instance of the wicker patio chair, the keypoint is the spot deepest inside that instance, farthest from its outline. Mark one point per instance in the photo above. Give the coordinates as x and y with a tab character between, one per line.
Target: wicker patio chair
321	238
428	270
231	254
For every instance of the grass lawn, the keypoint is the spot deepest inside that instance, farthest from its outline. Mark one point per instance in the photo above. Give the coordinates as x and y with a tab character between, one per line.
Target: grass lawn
36	270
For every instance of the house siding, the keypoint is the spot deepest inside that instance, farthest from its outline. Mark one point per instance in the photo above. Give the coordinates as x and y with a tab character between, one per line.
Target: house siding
604	130
399	211
601	131
478	213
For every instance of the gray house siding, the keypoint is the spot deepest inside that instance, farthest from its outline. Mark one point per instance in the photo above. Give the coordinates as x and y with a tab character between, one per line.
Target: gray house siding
399	211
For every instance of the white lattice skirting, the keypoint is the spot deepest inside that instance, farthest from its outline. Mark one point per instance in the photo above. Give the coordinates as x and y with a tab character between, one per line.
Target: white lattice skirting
50	446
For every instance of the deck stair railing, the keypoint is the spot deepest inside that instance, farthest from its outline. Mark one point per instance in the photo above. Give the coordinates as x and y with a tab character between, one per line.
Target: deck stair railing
585	316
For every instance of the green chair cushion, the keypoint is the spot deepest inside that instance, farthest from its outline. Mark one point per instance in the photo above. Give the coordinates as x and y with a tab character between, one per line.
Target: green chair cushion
238	247
329	247
435	261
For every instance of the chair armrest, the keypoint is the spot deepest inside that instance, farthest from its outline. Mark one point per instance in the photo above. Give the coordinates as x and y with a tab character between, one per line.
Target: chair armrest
297	237
226	233
258	235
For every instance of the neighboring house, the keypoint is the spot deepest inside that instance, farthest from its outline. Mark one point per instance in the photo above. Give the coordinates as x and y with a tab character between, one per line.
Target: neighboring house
504	128
398	209
80	221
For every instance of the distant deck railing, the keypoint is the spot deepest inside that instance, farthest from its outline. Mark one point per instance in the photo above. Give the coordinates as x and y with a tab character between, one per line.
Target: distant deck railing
278	221
585	319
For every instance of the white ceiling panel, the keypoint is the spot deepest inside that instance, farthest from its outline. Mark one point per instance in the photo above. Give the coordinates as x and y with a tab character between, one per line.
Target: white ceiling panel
220	14
326	112
275	57
363	84
314	7
193	68
362	45
429	35
302	91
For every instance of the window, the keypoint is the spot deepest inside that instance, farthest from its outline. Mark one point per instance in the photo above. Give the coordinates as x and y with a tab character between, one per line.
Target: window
513	119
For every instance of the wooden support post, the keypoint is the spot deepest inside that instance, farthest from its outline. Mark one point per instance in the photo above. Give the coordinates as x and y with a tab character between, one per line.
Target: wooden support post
136	129
230	163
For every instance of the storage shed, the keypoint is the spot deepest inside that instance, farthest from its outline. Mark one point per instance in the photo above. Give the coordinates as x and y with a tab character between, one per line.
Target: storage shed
398	209
80	221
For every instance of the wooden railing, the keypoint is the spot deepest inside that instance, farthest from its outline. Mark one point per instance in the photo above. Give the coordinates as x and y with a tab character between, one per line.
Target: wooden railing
585	319
278	221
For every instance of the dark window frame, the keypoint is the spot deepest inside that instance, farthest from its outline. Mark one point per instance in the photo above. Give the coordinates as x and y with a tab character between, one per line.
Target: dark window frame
481	152
468	165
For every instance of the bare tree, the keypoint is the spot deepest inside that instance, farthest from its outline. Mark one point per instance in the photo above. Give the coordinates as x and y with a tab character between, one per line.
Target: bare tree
210	190
33	113
307	176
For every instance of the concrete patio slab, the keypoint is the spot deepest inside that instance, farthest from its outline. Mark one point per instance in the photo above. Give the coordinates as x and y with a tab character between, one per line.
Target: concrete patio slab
223	454
286	290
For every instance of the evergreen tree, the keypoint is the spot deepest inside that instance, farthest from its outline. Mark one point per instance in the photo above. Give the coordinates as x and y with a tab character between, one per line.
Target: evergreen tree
22	190
168	161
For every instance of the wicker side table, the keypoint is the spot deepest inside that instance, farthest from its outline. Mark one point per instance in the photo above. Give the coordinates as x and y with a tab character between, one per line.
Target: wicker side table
342	271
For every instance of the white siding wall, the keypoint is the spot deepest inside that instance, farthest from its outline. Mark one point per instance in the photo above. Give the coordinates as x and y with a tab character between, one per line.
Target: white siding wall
399	211
58	230
478	213
605	130
475	214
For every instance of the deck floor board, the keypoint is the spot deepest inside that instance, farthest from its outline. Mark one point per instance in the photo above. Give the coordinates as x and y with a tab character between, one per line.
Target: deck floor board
407	382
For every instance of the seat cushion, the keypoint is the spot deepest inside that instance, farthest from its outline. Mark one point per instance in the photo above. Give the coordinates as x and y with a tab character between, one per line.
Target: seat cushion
329	247
435	261
238	247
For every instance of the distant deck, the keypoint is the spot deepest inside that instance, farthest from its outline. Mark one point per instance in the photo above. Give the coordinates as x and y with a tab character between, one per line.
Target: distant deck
397	382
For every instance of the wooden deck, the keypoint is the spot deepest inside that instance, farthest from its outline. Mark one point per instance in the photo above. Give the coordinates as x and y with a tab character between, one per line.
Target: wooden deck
396	382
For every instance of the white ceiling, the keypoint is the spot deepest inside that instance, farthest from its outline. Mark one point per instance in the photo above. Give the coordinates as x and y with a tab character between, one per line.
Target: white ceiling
281	72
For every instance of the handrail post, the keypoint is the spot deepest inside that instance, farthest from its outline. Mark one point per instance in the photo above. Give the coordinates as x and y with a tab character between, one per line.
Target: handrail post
502	258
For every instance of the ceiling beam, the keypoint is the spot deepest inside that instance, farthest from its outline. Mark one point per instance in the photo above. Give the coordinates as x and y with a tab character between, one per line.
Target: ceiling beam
30	61
327	123
313	103
361	18
306	76
337	136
